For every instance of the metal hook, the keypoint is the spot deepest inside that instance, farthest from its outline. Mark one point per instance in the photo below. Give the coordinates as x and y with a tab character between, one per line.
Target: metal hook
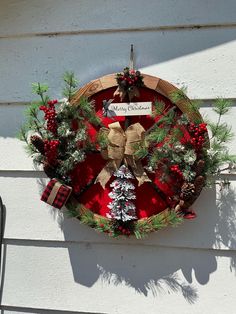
131	62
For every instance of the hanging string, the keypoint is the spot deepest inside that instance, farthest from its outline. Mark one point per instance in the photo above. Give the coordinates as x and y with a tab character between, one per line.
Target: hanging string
131	62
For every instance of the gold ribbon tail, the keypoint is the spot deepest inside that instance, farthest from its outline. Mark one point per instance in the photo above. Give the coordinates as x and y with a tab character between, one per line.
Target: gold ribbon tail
107	171
137	169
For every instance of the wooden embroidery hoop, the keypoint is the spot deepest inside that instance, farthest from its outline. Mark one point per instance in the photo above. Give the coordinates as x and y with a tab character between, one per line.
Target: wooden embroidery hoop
154	83
151	82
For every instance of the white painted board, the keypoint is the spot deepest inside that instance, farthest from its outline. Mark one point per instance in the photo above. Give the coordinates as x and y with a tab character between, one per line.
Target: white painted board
203	60
28	16
29	218
132	280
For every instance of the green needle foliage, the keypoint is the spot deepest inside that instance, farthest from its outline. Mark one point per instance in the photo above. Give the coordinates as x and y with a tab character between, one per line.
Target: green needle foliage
164	147
218	158
71	133
102	139
156	222
159	108
71	84
222	106
179	95
141	151
139	228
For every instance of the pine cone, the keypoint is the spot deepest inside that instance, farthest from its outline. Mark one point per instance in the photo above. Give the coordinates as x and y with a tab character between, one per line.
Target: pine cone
187	191
199	184
38	143
199	167
49	170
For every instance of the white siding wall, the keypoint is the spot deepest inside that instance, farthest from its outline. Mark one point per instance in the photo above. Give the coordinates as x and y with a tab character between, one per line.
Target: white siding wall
56	265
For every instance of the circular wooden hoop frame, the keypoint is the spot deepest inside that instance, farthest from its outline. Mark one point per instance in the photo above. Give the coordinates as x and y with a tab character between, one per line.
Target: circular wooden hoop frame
154	83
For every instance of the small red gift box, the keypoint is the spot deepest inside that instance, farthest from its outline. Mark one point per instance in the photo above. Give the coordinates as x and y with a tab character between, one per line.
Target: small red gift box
56	194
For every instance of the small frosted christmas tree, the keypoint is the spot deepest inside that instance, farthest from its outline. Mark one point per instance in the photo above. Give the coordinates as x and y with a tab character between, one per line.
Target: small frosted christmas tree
121	208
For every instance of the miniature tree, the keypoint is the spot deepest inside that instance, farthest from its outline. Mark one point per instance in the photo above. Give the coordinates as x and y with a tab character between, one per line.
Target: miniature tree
121	206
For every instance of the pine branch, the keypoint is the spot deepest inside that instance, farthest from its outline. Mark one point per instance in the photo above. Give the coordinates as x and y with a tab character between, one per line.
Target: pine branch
222	106
40	89
158	135
102	140
73	210
216	146
71	84
176	134
22	135
226	157
157	222
140	151
156	158
88	219
87	109
179	95
159	108
168	119
224	134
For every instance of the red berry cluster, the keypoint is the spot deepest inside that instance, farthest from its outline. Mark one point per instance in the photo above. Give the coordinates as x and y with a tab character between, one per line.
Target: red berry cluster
175	169
50	116
129	78
50	148
124	231
198	134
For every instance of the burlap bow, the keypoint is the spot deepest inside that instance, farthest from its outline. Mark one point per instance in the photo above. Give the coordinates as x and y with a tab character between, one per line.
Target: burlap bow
121	147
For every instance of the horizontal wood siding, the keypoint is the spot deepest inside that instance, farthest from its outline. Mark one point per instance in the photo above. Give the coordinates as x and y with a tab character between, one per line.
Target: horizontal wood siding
181	57
53	264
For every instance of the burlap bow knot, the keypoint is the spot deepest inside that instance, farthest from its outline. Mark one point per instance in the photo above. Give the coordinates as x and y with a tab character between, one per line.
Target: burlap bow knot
121	148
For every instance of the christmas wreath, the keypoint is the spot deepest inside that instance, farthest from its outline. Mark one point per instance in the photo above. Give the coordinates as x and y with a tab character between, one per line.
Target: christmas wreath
123	174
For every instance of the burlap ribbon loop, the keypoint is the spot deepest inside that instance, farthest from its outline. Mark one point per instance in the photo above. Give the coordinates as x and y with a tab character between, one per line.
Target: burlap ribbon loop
131	92
121	147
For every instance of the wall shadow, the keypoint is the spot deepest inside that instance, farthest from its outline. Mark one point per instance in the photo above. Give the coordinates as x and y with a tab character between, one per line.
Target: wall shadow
169	261
226	223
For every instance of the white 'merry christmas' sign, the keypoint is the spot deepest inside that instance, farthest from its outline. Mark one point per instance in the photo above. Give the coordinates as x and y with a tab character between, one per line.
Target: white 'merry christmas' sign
127	109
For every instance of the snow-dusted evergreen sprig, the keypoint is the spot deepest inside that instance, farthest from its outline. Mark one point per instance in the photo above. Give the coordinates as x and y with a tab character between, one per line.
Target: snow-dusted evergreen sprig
121	208
53	122
123	172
